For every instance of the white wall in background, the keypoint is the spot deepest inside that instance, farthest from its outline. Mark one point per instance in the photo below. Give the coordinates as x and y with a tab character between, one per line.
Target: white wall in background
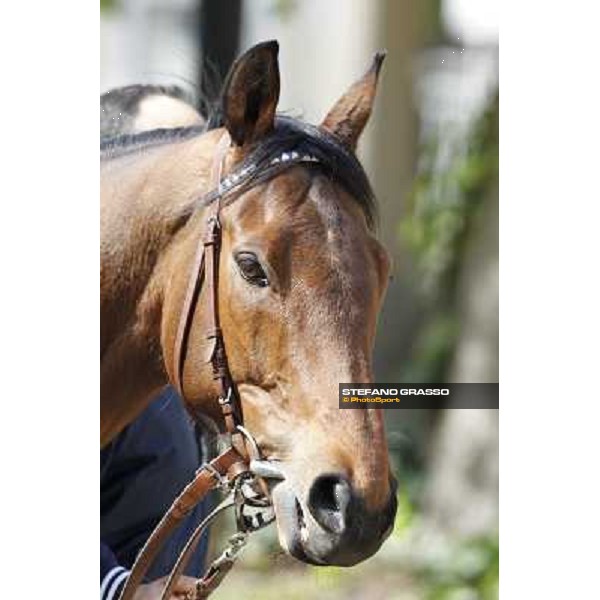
324	47
149	41
473	21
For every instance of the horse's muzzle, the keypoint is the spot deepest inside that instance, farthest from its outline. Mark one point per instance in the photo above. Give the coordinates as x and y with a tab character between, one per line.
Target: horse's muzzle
332	525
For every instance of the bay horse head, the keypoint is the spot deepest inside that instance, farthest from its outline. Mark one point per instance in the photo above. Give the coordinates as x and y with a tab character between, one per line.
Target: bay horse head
301	281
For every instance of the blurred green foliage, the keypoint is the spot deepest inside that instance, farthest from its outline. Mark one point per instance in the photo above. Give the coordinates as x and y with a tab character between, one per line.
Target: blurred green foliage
445	201
107	4
466	570
472	574
284	9
431	21
447	197
433	348
405	515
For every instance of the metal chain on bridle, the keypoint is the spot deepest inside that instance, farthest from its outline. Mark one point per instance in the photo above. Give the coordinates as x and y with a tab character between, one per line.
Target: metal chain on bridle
239	471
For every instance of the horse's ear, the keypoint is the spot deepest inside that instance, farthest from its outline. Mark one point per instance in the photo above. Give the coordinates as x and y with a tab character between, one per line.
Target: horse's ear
351	112
251	93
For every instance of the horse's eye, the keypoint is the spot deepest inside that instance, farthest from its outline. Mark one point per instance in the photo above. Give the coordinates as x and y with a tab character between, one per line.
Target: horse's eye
251	269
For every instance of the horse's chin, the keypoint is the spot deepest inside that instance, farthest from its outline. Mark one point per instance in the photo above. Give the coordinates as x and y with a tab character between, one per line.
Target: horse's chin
304	539
292	528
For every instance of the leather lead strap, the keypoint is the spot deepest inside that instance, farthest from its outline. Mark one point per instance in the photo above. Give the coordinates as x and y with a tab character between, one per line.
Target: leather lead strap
204	481
190	547
211	581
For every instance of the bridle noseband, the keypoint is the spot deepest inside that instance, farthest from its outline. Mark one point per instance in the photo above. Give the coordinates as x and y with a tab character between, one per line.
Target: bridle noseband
239	470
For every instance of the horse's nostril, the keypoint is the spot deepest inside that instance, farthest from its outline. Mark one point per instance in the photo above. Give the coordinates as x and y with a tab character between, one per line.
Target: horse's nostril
328	502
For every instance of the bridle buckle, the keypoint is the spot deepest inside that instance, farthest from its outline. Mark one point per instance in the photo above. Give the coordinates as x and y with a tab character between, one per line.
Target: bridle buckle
227	399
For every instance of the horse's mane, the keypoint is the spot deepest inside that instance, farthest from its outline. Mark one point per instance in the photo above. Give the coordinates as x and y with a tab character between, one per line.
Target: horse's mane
121	144
289	134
